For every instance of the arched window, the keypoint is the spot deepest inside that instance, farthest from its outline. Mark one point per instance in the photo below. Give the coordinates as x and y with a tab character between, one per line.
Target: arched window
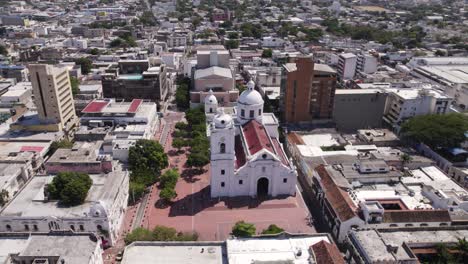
211	110
8	227
72	227
222	148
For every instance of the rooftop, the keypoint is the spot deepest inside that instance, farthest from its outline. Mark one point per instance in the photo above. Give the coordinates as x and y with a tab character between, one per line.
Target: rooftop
174	252
30	201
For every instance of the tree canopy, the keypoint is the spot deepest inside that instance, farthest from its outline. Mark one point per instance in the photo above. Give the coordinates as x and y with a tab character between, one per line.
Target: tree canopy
71	188
159	233
147	155
74	85
60	144
436	131
243	229
272	230
86	65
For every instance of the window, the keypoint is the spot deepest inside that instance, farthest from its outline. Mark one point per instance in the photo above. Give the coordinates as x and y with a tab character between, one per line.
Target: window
222	184
393	225
259	111
223	172
241	182
35	227
8	227
252	113
211	110
242	112
81	228
72	227
99	227
409	225
26	227
285	180
263	169
222	148
424	224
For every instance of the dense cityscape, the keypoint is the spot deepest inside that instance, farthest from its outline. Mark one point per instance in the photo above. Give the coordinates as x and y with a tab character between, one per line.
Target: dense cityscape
233	131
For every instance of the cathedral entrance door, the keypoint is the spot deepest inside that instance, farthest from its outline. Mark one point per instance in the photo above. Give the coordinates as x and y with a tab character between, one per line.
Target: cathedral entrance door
262	187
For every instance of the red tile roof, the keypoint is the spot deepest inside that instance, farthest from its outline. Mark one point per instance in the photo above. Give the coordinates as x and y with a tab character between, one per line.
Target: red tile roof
95	107
416	216
240	153
256	137
134	105
326	253
338	198
31	149
279	151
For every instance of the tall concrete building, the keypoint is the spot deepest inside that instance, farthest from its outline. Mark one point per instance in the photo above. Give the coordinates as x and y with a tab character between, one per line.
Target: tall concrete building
53	95
308	91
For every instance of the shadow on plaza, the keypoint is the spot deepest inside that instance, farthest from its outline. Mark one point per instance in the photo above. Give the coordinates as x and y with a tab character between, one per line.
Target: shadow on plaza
195	203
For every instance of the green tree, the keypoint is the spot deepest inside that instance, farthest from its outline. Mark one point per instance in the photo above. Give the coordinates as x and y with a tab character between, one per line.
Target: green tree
163	233
272	230
3	50
94	51
167	194
147	155
405	158
4	196
169	178
436	131
462	248
86	64
182	96
243	229
139	234
443	255
198	160
75	83
181	126
71	188
136	191
178	143
231	44
60	144
267	53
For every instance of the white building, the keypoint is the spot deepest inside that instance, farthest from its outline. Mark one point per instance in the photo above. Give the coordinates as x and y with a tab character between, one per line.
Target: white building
346	66
366	63
272	42
247	158
101	213
75	43
447	72
129	121
409	102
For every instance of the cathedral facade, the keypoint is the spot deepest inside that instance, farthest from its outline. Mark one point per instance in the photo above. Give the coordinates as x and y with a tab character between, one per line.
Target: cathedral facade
247	158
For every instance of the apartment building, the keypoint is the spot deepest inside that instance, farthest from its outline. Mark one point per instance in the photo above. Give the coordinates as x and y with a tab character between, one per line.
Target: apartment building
409	102
308	91
53	95
366	63
136	79
346	68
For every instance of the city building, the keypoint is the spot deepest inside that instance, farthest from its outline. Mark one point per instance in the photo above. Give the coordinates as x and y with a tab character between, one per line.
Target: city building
52	97
101	213
366	63
54	247
213	73
346	68
409	102
284	248
359	108
308	91
446	72
136	79
118	124
247	158
18	72
399	246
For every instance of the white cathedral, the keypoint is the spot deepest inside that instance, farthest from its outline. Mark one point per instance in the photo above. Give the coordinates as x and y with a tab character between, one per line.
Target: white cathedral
247	158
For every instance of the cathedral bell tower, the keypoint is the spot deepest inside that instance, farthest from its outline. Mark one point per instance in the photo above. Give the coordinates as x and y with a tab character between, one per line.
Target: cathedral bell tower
222	153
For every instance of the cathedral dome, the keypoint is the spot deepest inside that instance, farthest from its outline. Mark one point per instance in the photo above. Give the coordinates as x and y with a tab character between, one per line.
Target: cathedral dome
211	99
222	120
250	96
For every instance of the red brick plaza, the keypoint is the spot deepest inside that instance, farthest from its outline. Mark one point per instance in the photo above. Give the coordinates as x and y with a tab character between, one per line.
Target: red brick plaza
212	219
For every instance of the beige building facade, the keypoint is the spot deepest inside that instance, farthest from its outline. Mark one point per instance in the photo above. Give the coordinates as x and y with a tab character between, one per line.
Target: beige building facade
53	95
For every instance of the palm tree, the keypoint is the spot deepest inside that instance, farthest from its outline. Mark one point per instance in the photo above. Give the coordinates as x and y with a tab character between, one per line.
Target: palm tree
4	195
405	159
462	248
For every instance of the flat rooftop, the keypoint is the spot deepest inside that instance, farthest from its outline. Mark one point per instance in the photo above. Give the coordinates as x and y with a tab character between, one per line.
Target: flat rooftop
30	201
175	253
